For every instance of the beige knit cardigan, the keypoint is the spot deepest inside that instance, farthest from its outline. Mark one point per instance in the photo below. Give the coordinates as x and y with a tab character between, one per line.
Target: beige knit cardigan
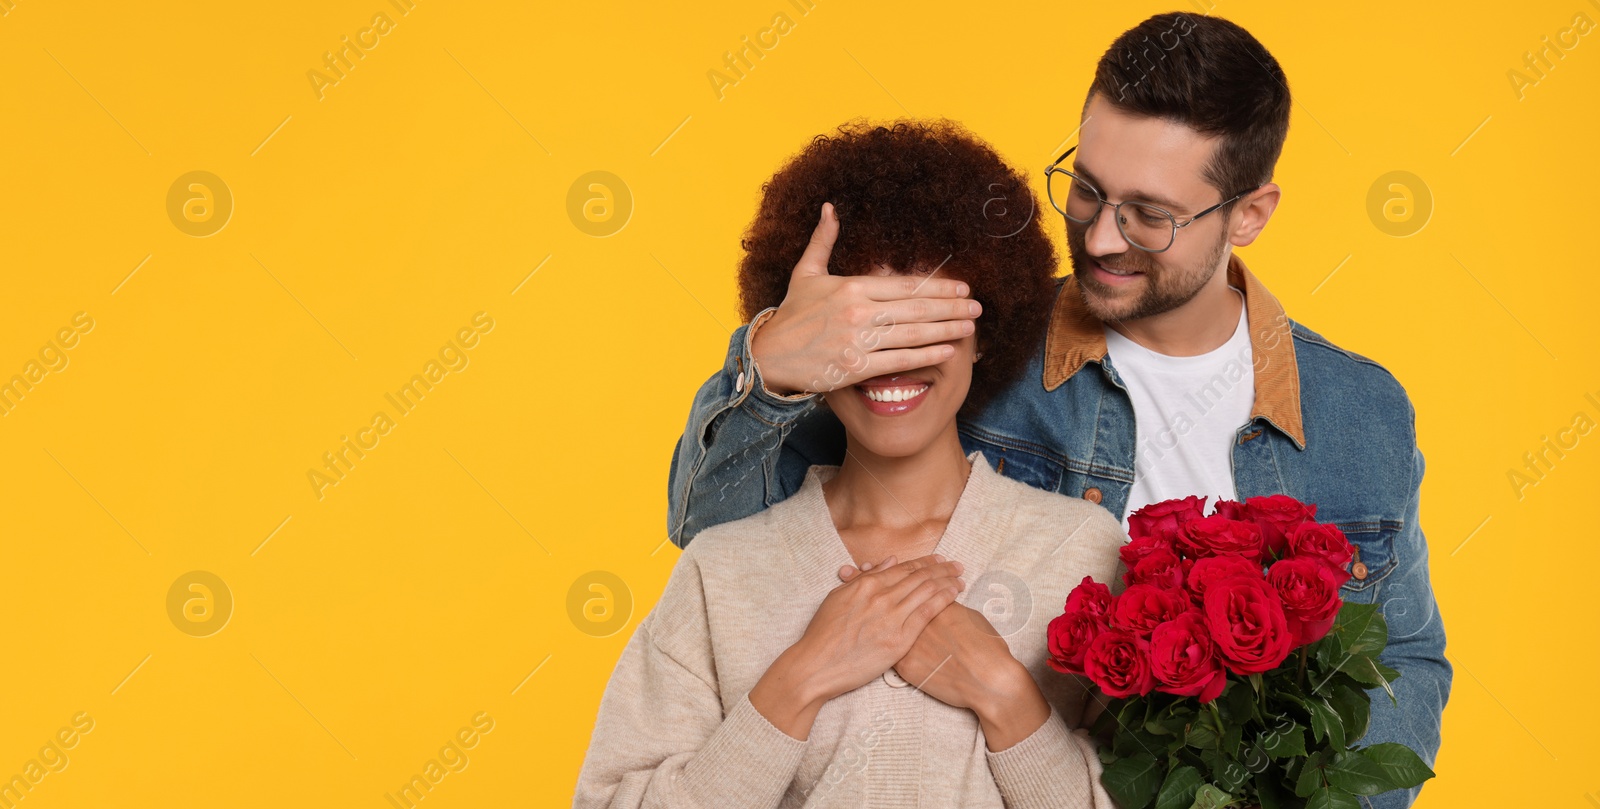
676	727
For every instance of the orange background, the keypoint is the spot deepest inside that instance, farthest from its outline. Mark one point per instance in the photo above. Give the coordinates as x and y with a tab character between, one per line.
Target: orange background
372	218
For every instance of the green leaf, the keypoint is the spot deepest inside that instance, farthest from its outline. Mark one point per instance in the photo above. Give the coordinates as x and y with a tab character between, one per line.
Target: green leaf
1284	742
1389	675
1354	708
1103	724
1209	797
1131	712
1325	723
1357	774
1268	791
1362	629
1177	792
1364	669
1332	798
1321	685
1238	703
1291	770
1225	773
1167	725
1311	779
1132	781
1231	738
1404	768
1370	672
1133	740
1201	736
1328	651
1170	720
1230	775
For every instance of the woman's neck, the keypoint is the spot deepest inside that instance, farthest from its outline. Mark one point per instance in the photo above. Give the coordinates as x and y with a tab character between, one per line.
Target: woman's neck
897	504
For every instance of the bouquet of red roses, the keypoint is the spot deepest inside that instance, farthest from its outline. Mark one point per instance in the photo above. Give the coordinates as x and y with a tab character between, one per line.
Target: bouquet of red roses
1228	643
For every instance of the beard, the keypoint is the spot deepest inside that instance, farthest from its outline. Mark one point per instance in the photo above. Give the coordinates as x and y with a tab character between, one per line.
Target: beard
1165	287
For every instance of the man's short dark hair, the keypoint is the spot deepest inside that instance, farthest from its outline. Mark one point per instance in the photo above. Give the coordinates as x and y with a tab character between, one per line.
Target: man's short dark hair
1210	75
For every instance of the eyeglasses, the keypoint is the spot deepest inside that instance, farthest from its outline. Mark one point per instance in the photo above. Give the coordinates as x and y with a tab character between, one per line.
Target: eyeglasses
1143	225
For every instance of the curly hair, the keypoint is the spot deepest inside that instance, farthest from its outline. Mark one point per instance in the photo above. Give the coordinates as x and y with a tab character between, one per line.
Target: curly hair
919	197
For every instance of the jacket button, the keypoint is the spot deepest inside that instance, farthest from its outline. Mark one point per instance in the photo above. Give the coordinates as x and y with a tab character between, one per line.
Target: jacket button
893	678
1359	570
1092	494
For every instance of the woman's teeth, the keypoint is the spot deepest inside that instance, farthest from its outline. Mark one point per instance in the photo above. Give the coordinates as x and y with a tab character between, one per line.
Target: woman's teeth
894	394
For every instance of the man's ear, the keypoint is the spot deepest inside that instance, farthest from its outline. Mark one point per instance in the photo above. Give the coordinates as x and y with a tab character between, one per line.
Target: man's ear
1256	210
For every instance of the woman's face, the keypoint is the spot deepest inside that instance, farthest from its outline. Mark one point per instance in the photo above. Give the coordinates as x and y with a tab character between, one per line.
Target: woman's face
901	414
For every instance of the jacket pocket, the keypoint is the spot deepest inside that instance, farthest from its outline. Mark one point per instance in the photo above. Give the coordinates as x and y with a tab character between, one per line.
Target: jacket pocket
1373	541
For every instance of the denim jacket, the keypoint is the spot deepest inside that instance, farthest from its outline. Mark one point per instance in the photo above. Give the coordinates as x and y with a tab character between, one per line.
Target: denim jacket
1329	427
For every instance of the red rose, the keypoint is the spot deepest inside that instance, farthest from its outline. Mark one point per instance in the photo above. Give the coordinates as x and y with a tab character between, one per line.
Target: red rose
1322	541
1163	519
1276	515
1069	636
1183	658
1119	663
1215	568
1142	606
1232	509
1139	548
1090	597
1220	536
1161	568
1247	622
1309	590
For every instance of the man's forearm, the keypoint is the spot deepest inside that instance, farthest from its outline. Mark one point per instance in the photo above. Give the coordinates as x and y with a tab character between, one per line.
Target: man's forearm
1416	650
1412	720
734	434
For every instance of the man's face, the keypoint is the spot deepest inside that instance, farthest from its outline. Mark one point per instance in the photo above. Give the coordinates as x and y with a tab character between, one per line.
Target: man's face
1155	161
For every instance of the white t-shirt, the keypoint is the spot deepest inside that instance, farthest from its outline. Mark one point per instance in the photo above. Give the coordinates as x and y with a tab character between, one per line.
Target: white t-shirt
1186	411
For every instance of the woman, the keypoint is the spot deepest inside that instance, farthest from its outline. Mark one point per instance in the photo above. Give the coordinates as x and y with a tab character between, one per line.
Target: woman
758	680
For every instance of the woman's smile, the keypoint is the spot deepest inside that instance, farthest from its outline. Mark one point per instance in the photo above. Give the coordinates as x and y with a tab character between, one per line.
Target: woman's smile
892	395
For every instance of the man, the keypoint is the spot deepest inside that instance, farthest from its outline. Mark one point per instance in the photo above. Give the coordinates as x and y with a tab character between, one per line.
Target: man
1168	369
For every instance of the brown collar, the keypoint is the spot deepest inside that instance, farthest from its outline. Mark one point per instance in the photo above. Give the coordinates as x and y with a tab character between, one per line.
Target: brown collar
1076	337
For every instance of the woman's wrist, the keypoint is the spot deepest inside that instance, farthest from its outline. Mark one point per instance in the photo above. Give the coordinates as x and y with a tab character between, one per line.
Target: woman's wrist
790	694
1013	709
